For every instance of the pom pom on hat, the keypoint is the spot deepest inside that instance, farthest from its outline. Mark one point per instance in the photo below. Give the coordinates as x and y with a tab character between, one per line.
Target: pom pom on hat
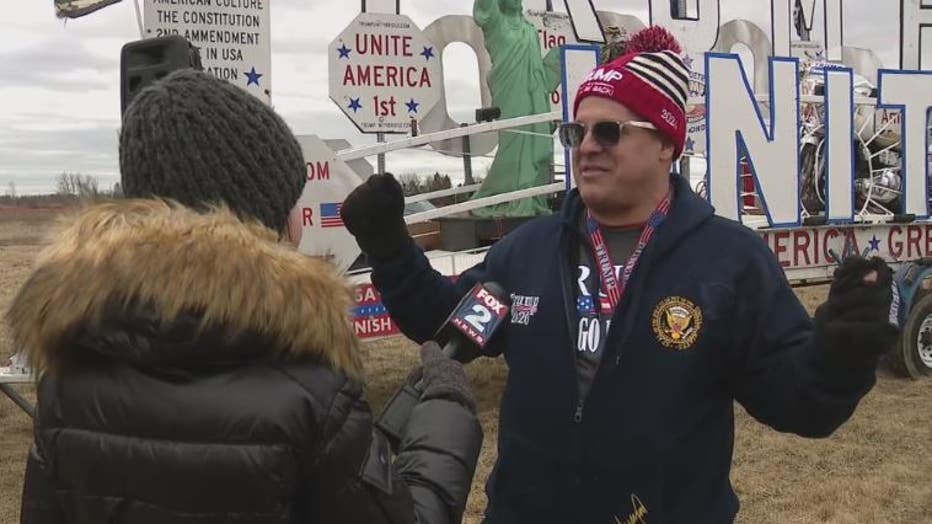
653	39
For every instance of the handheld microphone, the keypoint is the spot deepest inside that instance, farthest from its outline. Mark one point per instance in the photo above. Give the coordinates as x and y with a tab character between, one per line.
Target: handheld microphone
466	331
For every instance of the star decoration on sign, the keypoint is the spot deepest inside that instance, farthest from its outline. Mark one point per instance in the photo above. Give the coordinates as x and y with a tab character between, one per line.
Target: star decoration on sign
875	243
690	144
344	51
412	106
427	53
371	310
354	104
252	77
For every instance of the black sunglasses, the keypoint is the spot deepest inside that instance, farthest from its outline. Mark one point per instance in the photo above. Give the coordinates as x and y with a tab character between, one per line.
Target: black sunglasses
607	133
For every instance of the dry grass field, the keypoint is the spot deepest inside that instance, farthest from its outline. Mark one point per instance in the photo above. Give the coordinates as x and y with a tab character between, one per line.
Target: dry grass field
876	469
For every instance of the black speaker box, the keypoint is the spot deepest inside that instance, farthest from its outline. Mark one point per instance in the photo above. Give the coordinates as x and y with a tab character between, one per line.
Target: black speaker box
145	61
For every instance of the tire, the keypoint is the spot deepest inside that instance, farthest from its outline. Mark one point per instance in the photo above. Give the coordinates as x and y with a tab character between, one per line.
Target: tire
912	356
811	178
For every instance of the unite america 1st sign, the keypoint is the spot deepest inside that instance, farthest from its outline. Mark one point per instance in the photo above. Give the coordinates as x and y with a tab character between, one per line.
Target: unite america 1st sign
384	73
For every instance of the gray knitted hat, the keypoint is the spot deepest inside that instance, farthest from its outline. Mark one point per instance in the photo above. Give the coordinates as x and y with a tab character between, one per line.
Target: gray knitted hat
200	140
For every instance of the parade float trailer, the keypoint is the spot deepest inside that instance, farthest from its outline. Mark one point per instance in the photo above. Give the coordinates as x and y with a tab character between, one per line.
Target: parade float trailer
818	148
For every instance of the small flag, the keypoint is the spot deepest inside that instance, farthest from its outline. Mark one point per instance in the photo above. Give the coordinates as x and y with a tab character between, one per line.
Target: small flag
604	303
585	307
330	215
79	8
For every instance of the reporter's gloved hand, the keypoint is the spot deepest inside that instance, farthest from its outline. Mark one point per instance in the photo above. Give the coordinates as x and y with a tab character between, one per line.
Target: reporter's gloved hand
853	327
374	214
441	377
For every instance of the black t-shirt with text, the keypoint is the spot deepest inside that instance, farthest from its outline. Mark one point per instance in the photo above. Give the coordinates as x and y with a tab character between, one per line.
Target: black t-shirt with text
592	332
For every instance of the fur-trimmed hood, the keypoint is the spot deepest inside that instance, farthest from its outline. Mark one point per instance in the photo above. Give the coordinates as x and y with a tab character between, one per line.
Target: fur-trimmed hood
175	261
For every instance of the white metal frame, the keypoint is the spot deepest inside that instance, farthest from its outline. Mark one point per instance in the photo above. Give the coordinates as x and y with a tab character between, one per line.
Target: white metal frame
462	207
495	126
472	188
457	132
753	222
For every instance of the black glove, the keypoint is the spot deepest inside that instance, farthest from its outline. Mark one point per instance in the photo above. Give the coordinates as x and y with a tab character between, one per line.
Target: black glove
853	327
374	214
436	377
441	377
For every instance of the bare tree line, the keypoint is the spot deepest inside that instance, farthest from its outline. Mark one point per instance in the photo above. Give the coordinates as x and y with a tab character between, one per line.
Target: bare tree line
84	187
69	188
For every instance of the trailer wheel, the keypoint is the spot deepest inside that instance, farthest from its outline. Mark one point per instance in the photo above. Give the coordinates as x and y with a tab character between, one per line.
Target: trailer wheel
812	174
912	356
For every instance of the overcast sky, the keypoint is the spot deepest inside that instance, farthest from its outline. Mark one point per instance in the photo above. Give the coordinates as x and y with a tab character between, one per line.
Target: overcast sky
59	91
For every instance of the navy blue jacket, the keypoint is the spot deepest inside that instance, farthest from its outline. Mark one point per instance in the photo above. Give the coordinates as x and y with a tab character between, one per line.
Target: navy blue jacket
654	439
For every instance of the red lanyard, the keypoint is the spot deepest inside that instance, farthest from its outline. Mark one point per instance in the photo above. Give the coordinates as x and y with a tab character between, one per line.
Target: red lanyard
608	282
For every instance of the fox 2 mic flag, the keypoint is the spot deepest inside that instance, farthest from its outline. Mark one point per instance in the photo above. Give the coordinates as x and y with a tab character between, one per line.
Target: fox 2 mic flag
79	8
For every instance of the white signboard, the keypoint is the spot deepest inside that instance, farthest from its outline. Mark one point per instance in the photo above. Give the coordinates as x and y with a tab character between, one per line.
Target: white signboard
806	248
554	30
384	73
585	21
696	35
233	37
329	181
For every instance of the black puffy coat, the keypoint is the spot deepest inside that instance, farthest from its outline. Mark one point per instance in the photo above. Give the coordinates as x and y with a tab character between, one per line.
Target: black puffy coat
196	370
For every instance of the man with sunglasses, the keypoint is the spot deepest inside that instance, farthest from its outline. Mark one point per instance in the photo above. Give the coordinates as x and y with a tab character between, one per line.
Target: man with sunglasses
639	318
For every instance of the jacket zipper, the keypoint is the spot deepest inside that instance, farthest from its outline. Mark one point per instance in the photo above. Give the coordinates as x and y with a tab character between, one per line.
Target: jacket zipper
632	296
571	327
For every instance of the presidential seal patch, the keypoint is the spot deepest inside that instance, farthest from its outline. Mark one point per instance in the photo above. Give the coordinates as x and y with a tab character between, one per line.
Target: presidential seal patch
676	322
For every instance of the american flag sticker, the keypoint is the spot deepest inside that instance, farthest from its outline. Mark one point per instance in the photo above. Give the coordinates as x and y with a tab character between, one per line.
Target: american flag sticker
330	215
585	306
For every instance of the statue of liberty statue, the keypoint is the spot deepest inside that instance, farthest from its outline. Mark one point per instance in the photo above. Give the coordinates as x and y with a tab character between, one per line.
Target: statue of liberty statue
520	84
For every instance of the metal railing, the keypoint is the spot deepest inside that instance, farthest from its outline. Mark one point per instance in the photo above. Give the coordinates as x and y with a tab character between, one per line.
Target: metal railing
453	209
472	188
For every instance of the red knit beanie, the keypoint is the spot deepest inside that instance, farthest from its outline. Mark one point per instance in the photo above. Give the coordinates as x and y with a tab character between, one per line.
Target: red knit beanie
651	79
